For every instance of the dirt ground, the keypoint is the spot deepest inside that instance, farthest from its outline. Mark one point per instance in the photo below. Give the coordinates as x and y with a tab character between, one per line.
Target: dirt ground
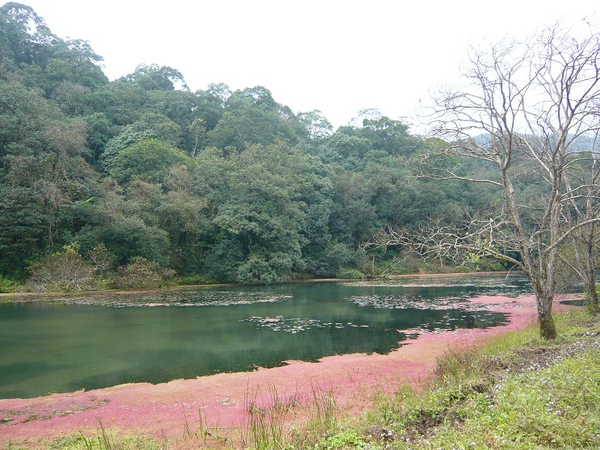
221	403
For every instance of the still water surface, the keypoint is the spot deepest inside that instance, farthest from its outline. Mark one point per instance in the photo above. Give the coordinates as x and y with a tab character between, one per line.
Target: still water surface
93	342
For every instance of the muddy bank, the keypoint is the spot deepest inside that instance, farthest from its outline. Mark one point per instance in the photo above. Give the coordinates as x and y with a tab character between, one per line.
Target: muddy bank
223	400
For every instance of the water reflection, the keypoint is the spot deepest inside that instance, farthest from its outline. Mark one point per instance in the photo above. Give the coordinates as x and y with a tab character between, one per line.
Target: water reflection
98	341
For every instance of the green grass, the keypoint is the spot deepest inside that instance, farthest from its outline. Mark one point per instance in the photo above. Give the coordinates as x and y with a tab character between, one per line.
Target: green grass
516	392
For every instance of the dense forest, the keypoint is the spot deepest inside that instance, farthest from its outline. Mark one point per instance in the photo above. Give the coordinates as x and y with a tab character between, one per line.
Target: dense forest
140	175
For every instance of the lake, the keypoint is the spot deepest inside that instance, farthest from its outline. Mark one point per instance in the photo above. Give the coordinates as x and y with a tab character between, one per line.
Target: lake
88	342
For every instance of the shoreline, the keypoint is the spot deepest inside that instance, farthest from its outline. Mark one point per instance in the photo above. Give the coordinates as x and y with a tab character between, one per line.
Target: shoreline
222	401
18	296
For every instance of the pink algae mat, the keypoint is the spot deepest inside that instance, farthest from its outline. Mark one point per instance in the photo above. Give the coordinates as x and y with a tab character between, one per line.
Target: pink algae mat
222	402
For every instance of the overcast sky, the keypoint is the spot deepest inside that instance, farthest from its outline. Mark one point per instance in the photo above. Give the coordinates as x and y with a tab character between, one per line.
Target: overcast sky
337	56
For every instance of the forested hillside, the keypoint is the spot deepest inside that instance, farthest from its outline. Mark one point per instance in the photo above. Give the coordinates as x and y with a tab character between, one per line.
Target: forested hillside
142	174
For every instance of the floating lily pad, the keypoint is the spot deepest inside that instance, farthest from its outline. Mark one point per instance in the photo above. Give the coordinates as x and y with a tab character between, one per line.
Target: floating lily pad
296	324
404	302
181	299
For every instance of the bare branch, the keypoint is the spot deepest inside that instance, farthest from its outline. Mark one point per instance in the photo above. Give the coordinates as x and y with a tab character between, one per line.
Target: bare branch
525	107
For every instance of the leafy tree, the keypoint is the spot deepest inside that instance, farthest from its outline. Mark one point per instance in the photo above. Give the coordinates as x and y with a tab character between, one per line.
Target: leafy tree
220	93
260	204
25	35
251	117
351	148
74	61
147	160
36	57
238	186
99	132
258	95
315	124
116	224
44	172
354	216
70	96
155	78
121	102
24	115
389	135
181	215
22	229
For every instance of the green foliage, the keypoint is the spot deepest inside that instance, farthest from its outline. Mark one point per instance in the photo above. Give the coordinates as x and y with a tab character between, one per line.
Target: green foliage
7	285
541	407
195	280
104	440
127	236
147	160
315	124
261	202
344	440
25	116
22	229
155	78
251	117
351	149
123	103
335	259
351	274
30	52
354	215
265	269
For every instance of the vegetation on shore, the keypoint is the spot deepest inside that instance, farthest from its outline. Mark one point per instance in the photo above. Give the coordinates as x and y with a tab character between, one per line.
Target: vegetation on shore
514	391
104	178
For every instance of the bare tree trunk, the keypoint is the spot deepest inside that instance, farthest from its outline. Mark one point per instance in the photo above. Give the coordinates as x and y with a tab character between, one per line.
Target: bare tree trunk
590	285
544	298
545	320
592	295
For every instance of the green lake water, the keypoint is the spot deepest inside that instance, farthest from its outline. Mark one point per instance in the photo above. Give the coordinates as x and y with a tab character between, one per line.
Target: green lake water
92	342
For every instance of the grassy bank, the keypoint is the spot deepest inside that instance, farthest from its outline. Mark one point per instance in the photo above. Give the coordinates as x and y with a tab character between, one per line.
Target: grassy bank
515	391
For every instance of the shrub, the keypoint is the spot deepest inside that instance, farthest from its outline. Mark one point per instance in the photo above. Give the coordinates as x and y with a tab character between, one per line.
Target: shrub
62	271
141	273
350	274
196	279
7	285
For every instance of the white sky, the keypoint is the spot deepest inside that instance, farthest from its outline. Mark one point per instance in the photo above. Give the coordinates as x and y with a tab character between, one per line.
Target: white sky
337	56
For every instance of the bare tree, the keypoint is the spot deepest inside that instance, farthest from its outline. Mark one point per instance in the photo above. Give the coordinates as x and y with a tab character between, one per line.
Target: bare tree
579	253
522	110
